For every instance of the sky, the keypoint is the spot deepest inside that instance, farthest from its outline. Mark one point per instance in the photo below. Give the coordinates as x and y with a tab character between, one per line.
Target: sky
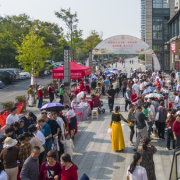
107	17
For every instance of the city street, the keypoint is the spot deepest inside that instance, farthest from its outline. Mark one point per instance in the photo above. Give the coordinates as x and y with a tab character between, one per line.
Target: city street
93	150
9	92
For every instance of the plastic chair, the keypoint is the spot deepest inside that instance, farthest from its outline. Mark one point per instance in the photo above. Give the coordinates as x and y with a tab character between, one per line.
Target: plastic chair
95	113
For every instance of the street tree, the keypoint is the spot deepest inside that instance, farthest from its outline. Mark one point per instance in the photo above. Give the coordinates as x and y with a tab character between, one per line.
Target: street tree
71	21
32	54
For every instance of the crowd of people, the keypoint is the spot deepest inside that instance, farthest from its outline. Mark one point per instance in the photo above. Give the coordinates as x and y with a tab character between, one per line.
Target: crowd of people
42	148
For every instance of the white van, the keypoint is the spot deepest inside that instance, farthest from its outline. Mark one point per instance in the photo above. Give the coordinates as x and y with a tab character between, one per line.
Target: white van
14	70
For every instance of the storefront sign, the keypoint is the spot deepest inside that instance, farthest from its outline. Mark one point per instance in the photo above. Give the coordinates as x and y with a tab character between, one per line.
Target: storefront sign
173	47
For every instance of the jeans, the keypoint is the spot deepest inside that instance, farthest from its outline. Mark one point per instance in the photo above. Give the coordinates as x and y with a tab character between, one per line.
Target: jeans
51	97
40	102
140	134
161	129
169	138
111	103
61	99
124	90
48	145
127	102
132	132
150	128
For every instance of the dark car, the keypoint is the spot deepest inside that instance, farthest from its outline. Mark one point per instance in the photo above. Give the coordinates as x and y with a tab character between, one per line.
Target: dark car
7	75
13	76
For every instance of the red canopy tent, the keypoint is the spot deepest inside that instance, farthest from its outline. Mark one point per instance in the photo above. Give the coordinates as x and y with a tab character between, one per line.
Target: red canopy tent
77	71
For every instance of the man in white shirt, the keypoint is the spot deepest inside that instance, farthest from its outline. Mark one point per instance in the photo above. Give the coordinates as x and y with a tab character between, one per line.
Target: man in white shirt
136	88
80	96
13	117
177	100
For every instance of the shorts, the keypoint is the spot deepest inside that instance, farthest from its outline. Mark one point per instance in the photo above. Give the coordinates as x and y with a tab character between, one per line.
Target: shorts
106	88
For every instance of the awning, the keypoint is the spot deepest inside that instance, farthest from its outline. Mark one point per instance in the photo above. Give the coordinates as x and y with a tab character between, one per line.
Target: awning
77	71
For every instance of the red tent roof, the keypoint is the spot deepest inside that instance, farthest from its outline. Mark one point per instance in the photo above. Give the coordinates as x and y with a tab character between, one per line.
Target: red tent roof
77	71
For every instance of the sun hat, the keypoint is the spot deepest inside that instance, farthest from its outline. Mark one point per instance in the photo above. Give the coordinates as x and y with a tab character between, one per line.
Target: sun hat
9	142
43	111
40	87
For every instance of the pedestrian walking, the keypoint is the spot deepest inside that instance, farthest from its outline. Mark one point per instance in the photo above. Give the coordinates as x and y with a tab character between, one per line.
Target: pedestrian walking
132	61
141	126
30	169
127	98
51	93
135	171
176	131
117	135
147	151
61	93
40	96
124	85
131	118
123	64
111	93
93	86
116	64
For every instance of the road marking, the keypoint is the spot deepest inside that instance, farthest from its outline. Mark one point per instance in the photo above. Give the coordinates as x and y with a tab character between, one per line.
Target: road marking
12	94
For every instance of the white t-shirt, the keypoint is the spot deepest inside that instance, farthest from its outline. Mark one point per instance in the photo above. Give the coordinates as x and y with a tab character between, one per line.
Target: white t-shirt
79	96
61	123
176	101
11	119
136	88
71	113
138	174
41	136
3	175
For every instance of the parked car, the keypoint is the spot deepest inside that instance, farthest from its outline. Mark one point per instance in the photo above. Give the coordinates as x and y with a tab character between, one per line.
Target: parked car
15	71
7	76
24	75
13	76
1	84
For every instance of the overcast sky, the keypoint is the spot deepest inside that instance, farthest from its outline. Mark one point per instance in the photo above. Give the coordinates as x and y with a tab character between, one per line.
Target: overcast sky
112	17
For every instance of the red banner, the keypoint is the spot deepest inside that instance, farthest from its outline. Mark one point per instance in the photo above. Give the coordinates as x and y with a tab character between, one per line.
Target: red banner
5	115
173	47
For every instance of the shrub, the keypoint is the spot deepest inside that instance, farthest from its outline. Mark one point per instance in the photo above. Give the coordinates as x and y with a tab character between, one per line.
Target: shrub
19	99
2	78
7	105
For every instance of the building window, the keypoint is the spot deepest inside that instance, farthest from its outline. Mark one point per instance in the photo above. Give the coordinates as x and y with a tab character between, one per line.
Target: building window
157	47
166	47
157	35
166	62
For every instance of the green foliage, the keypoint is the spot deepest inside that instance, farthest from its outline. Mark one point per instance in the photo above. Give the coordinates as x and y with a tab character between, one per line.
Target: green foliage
19	99
32	53
7	105
2	78
141	56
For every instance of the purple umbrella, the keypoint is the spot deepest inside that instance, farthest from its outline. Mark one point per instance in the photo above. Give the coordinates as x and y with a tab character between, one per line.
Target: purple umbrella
53	107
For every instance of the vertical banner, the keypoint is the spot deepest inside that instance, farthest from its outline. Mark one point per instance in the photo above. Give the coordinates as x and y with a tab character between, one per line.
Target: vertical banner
66	66
90	58
173	47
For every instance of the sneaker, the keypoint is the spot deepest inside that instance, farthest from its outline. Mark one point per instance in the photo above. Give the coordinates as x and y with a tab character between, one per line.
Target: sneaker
153	134
131	143
168	149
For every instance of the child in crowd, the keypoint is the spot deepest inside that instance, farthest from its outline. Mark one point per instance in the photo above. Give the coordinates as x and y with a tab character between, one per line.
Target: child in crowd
68	145
170	120
168	112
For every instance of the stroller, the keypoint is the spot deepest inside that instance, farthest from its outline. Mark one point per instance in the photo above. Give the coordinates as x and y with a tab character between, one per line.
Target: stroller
100	109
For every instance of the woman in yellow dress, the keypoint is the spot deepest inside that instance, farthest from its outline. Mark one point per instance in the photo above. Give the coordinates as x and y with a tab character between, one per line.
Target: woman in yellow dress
117	134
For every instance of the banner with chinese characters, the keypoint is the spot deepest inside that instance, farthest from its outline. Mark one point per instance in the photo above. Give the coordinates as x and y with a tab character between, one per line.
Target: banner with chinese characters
122	44
6	113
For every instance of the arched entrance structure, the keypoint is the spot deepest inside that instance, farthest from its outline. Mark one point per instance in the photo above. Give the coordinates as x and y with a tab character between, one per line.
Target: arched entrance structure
124	44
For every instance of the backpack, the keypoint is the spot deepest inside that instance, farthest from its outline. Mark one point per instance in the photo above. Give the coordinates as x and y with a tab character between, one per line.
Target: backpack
84	177
64	118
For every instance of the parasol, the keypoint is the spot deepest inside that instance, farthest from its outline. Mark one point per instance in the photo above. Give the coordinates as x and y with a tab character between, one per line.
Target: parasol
53	107
107	72
154	95
150	89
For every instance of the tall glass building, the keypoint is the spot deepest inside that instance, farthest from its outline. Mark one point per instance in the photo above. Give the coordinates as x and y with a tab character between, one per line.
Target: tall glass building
143	20
157	15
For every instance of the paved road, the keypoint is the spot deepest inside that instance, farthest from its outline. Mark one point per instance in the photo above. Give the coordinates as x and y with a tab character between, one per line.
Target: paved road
93	150
9	92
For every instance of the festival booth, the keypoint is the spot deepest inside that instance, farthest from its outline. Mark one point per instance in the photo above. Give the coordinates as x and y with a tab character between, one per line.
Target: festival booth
77	72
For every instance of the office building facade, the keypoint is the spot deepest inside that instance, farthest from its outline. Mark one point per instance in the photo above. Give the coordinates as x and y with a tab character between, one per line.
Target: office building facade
157	15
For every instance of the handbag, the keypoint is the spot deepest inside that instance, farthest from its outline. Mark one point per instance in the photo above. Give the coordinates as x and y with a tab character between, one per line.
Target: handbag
49	171
157	116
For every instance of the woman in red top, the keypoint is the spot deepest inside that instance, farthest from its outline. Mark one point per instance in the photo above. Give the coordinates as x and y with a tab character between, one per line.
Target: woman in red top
50	170
40	96
134	97
69	170
80	86
158	85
